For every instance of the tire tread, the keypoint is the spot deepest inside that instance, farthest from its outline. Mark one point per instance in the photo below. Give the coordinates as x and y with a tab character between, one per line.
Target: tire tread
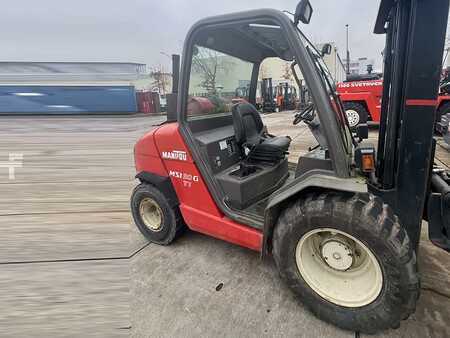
382	224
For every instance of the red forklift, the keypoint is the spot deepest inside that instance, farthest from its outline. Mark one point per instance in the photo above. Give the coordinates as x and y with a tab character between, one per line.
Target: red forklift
286	96
361	96
343	223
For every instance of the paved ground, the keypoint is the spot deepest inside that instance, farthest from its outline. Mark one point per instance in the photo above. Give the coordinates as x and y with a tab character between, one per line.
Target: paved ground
73	265
65	240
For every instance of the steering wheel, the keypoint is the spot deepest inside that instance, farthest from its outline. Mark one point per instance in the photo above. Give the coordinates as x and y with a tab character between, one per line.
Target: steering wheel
306	114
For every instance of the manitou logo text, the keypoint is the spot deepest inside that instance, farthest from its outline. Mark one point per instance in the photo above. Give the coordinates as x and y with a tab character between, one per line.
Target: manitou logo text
187	179
174	155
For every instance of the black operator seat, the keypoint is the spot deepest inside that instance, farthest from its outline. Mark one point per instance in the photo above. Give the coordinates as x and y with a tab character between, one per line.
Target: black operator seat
251	134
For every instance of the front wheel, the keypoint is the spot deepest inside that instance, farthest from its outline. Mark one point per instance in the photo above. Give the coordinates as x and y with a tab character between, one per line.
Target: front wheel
348	259
356	114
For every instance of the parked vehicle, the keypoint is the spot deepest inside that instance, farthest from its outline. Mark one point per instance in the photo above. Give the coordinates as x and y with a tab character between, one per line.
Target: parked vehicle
361	96
286	96
362	99
268	95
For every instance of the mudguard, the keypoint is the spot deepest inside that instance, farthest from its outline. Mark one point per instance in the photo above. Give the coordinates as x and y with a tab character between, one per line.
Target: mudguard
313	180
163	184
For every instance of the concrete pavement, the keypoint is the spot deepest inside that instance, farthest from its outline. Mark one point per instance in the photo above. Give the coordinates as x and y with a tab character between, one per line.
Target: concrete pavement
70	260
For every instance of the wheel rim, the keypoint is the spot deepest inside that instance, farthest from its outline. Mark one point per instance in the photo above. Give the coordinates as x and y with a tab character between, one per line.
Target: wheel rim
151	214
338	267
352	117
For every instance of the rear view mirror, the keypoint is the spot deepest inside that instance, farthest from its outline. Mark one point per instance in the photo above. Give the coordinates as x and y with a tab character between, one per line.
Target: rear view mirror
303	12
195	51
326	49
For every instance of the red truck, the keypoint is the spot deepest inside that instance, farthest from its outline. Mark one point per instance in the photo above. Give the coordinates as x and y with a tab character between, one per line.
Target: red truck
361	96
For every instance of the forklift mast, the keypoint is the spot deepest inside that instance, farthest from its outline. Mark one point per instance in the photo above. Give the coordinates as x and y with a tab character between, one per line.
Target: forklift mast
415	35
267	94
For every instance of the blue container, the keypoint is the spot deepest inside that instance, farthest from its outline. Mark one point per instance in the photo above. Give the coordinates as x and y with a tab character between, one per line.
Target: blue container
67	99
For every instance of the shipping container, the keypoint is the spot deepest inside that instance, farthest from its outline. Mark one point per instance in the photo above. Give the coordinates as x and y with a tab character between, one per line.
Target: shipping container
67	99
148	102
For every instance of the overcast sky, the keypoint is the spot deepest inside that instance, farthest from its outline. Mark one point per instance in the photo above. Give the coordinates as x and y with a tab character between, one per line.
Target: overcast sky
139	30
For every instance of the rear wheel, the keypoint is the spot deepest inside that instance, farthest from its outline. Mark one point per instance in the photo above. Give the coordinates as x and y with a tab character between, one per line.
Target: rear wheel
356	113
348	259
155	218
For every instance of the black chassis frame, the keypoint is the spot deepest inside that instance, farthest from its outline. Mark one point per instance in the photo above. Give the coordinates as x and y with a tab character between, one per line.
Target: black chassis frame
320	179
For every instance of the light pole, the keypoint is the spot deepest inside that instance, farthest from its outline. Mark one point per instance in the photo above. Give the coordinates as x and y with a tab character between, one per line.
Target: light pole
348	53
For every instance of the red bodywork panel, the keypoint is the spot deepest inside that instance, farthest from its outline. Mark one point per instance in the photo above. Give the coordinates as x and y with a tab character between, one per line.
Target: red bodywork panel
370	92
163	152
146	155
367	92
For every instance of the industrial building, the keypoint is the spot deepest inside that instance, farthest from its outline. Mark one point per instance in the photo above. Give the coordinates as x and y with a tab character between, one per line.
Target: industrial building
359	66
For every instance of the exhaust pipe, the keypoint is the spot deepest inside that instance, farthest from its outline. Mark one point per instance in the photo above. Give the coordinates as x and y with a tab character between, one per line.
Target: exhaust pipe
172	97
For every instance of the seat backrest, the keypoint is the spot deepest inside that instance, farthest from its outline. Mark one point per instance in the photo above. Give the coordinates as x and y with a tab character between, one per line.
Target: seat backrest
247	122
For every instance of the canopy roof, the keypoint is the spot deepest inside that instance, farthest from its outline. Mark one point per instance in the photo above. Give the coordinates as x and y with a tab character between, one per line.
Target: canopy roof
250	40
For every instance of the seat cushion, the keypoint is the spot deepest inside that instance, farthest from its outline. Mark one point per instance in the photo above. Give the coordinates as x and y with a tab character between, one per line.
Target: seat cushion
250	134
271	150
278	143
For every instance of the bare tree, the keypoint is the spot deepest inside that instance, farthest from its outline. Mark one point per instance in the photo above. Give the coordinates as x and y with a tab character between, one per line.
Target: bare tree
208	63
160	78
287	72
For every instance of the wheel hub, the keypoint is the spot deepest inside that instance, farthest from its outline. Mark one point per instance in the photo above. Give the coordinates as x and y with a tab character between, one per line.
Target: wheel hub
352	117
337	253
339	267
151	214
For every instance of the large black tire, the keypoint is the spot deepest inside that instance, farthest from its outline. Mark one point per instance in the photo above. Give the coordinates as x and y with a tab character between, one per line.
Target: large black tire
171	222
373	223
362	113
